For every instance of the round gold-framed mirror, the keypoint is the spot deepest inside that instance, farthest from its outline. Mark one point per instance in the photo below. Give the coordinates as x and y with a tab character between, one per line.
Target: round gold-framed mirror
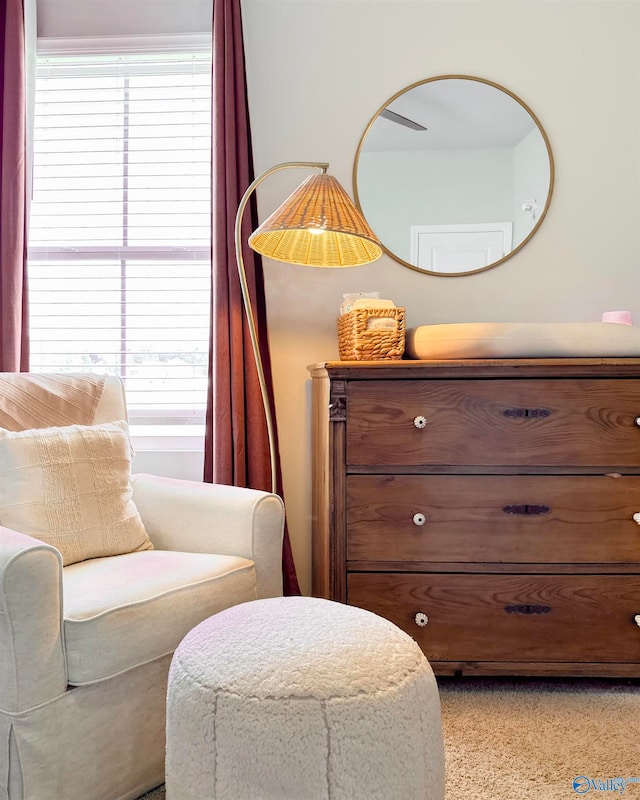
454	174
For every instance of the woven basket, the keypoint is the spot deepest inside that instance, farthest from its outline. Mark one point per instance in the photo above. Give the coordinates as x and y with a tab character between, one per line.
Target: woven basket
358	341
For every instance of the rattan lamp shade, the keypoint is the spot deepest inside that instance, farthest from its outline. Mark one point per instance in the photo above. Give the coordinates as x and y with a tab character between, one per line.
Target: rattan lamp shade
318	226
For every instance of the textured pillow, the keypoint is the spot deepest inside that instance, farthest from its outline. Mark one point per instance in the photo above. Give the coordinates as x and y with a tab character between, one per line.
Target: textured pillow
70	487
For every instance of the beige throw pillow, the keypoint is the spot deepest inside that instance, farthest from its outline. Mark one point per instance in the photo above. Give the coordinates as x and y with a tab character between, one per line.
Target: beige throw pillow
70	487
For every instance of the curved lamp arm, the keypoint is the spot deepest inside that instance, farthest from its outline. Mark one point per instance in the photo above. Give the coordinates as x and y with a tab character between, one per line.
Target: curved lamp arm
249	309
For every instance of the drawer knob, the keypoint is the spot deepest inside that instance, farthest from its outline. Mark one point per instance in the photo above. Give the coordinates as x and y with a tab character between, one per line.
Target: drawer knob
420	422
636	517
527	608
522	413
526	509
636	619
637	421
420	519
421	619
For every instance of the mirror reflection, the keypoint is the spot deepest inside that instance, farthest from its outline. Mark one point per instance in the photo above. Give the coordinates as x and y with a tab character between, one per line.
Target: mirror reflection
454	174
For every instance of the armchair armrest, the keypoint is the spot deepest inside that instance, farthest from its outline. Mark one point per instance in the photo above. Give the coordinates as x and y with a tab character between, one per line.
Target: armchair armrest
32	655
212	518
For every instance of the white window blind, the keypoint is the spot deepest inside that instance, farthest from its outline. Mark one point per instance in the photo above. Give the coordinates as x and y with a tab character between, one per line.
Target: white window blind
119	259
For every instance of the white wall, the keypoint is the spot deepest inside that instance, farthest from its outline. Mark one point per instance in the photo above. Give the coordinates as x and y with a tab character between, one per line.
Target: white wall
65	18
530	183
433	187
319	69
184	464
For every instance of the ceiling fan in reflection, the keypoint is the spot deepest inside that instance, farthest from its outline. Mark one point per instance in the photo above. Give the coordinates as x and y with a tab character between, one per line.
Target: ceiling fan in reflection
400	120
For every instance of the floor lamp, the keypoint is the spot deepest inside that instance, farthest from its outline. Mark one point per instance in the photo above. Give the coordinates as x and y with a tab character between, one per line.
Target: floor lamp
317	225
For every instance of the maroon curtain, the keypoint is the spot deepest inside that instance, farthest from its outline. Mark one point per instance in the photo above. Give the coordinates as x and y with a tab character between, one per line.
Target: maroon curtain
236	447
14	348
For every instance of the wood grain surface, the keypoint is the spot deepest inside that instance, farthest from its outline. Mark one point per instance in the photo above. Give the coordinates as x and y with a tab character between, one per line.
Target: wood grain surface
507	518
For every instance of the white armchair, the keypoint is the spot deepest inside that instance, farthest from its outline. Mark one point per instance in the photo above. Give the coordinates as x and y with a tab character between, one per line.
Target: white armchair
85	648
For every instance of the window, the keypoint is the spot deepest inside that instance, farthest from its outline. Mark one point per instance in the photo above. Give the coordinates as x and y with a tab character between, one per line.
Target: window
119	260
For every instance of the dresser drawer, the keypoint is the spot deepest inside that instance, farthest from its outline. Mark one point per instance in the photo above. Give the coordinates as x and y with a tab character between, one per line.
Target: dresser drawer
493	518
485	422
561	618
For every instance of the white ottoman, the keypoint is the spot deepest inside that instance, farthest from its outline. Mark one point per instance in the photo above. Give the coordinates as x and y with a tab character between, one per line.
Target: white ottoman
297	698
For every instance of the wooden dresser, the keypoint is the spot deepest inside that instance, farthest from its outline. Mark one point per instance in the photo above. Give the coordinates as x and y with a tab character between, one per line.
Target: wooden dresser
490	508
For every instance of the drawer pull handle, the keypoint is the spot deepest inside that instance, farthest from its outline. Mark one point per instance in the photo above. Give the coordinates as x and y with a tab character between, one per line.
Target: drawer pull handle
527	608
637	421
421	619
533	413
420	422
420	519
527	509
636	517
636	619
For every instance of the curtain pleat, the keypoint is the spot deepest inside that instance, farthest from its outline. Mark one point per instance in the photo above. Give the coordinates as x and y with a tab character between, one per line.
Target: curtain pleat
236	446
14	344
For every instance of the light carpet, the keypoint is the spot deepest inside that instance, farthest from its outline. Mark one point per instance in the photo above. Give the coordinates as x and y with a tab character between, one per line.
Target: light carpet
520	739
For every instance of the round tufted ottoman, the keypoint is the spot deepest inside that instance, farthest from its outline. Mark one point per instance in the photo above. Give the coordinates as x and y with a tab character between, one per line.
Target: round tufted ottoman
297	698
